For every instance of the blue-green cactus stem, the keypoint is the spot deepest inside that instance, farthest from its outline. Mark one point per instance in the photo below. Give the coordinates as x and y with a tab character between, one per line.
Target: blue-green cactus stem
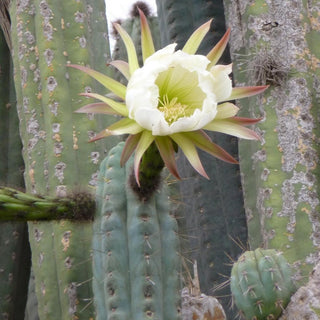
261	284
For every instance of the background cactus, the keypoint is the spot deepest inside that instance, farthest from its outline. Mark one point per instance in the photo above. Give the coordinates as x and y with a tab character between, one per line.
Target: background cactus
46	35
136	261
14	246
261	284
274	44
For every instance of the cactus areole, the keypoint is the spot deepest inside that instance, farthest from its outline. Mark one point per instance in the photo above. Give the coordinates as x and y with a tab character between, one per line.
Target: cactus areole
171	100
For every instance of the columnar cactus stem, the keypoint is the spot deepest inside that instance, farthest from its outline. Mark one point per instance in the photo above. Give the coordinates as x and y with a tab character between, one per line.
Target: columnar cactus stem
138	249
274	43
14	247
46	36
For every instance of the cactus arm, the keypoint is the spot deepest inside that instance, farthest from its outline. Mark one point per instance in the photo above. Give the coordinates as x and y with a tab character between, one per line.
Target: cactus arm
281	178
18	206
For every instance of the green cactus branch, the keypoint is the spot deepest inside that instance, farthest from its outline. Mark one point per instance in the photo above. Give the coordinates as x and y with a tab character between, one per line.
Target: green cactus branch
18	206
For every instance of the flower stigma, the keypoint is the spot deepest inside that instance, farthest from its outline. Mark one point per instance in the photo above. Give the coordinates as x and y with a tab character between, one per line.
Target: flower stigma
174	110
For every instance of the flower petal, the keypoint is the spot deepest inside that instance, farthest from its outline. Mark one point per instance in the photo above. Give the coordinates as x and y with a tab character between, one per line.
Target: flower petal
196	38
147	45
215	54
222	82
129	147
99	107
123	126
119	107
203	141
144	143
235	127
226	110
131	50
190	151
116	87
243	92
122	66
167	152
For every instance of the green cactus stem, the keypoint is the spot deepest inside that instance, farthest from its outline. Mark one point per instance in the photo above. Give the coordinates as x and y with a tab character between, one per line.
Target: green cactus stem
261	284
15	259
46	36
136	260
281	176
19	206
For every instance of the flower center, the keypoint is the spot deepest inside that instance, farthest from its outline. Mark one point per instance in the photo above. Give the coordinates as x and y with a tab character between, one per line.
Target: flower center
174	110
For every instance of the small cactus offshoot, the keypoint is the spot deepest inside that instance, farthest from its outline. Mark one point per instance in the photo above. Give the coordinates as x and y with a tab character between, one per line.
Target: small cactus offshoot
261	284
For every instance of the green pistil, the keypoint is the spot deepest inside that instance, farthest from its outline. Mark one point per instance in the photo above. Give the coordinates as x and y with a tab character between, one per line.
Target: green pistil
174	110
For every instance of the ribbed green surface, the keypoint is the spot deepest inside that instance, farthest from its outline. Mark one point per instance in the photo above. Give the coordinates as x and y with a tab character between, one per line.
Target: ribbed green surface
261	284
281	175
46	35
14	247
137	248
212	211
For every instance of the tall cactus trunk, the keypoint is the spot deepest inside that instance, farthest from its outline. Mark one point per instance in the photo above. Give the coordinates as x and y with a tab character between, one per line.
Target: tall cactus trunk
46	36
212	211
14	246
275	43
136	261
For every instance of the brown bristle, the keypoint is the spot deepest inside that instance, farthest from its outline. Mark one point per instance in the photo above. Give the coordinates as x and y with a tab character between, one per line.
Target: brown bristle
142	6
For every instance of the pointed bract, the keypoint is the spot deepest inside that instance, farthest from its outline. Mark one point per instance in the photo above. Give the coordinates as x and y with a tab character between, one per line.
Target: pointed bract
119	107
196	38
190	151
129	147
147	45
98	107
116	87
203	141
122	66
167	153
144	143
244	92
215	54
233	127
131	50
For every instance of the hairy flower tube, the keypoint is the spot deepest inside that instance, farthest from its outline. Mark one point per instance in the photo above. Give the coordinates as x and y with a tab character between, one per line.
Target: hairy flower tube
171	100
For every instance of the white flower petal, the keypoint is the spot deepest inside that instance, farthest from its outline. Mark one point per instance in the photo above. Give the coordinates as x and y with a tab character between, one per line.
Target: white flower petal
181	77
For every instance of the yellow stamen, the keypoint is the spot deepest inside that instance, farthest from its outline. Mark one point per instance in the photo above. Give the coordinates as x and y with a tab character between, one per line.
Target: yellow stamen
173	110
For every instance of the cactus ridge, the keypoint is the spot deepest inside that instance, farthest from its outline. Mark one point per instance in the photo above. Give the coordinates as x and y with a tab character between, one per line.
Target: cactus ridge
137	266
261	284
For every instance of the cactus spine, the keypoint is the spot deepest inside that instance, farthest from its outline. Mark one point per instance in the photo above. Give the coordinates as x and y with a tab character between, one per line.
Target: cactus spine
46	35
138	249
261	284
281	178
